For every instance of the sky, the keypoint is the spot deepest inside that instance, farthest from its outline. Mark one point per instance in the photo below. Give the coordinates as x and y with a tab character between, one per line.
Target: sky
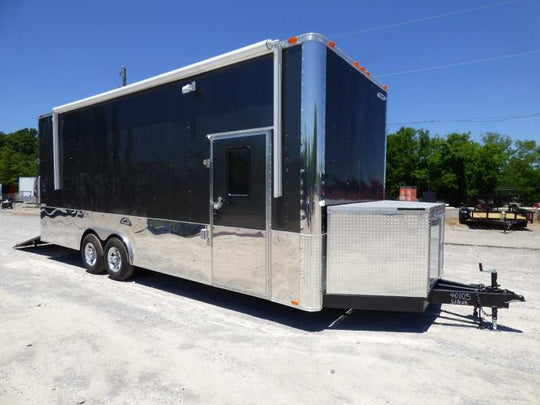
55	52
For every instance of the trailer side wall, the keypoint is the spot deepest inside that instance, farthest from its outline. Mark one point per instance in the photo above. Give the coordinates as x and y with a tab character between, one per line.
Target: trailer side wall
355	135
45	159
143	154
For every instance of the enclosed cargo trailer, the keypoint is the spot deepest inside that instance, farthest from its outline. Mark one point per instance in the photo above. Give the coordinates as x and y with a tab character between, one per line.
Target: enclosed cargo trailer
224	172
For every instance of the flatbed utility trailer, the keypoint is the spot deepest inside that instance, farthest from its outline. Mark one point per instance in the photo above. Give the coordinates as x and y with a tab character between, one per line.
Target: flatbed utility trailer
257	171
499	217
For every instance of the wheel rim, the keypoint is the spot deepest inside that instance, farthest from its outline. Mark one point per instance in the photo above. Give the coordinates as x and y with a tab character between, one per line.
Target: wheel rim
114	259
90	254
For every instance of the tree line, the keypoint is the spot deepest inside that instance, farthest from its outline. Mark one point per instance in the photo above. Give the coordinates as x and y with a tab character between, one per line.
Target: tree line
19	152
458	168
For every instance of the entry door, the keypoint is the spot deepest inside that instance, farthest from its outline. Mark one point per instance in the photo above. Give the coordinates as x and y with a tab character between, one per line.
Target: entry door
240	189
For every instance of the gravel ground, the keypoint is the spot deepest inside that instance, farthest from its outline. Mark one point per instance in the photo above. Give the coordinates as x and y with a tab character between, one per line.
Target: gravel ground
68	337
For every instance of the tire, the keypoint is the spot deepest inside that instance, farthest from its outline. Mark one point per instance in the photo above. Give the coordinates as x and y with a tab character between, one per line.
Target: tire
92	254
117	260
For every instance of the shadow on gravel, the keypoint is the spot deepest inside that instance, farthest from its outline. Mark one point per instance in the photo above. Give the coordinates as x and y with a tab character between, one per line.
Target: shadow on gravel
327	319
308	321
468	321
58	253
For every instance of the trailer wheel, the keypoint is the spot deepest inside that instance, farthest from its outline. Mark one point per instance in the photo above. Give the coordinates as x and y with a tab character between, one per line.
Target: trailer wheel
117	260
92	254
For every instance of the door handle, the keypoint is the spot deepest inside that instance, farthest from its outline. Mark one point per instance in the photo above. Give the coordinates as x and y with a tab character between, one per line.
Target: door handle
218	204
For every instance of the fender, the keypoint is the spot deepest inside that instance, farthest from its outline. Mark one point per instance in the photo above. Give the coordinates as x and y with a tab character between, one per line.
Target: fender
103	234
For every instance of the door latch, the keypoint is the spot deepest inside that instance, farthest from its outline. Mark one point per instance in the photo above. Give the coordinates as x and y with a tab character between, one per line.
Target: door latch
207	163
218	204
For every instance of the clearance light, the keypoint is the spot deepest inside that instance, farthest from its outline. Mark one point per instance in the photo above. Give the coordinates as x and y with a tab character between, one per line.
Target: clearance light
355	64
331	44
294	302
292	40
367	73
385	87
362	69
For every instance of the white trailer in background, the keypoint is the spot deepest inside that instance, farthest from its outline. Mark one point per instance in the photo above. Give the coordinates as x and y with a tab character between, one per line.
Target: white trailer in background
28	189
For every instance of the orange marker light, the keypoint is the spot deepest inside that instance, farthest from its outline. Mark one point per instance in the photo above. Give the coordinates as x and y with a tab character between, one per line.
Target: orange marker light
367	73
294	302
385	87
355	64
331	44
362	69
292	40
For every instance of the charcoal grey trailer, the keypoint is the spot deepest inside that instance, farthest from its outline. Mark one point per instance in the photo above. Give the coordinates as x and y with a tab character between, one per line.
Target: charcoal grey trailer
247	171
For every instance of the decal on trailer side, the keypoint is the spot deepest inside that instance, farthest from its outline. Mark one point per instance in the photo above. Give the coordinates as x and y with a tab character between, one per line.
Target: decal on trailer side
460	298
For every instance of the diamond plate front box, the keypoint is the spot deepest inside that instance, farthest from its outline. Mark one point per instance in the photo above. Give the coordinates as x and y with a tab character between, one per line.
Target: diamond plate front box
384	248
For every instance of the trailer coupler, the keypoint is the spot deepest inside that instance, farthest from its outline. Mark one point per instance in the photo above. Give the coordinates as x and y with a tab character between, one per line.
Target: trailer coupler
475	295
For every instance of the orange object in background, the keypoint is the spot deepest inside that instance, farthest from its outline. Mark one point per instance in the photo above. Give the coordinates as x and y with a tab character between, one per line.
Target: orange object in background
407	193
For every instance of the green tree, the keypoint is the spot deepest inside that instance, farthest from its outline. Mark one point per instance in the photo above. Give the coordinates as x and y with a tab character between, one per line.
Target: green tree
492	157
460	169
402	159
522	171
19	153
445	165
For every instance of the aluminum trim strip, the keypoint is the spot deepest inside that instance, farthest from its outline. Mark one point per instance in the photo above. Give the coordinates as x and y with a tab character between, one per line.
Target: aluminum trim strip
56	153
277	121
268	241
240	133
238	55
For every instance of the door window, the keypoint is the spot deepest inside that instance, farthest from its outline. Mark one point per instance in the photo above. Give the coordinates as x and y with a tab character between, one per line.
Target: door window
238	171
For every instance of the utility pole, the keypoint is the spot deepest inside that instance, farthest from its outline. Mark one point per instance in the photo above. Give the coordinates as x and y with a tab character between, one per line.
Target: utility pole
123	75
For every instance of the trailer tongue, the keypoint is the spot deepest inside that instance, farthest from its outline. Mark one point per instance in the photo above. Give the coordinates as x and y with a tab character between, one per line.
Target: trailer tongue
475	295
388	256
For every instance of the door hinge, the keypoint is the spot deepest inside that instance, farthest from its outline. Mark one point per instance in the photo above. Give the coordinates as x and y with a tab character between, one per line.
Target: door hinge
204	233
